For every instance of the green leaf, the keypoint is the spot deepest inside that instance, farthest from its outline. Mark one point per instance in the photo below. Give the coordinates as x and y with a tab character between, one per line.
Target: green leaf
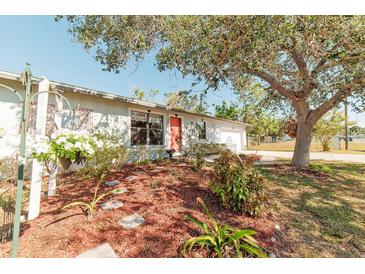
194	220
77	203
243	233
203	240
254	251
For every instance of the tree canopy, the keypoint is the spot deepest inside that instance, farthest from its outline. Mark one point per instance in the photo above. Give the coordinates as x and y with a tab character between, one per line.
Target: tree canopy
188	101
310	63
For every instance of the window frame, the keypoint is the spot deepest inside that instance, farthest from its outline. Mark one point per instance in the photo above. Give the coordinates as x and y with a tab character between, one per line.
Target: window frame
148	128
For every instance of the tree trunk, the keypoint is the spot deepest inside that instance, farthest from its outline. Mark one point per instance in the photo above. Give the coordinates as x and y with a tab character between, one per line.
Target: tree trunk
302	143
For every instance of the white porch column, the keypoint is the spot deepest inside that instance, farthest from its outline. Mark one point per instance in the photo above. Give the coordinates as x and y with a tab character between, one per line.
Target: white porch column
40	132
52	183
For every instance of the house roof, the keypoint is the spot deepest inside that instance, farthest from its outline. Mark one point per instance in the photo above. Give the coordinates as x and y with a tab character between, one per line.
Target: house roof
102	94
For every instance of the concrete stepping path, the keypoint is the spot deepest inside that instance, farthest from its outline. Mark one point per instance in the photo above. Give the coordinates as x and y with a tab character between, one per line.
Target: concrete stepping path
101	251
121	191
131	221
112	183
131	178
112	204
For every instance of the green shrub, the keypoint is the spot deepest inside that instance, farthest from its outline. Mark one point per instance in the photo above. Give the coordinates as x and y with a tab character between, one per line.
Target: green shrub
320	167
222	240
239	187
196	151
108	154
7	201
8	169
142	155
250	159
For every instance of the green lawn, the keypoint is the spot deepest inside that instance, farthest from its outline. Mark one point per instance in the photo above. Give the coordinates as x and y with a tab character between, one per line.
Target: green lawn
323	214
354	147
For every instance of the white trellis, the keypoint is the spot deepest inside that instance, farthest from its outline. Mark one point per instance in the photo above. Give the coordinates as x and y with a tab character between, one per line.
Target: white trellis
37	167
41	124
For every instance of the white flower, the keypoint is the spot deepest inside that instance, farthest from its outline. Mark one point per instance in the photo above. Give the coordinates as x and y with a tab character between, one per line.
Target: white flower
78	145
60	140
90	151
99	144
68	146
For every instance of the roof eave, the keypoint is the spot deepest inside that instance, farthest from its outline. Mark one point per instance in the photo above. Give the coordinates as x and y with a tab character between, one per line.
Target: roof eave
105	95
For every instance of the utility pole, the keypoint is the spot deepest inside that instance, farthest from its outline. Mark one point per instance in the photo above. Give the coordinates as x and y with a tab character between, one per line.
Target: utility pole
346	128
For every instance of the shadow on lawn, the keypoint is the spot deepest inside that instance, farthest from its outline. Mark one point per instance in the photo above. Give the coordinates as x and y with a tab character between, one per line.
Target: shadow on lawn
325	211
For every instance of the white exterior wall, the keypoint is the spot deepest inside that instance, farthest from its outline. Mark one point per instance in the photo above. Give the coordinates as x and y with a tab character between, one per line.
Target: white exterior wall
10	112
214	129
107	114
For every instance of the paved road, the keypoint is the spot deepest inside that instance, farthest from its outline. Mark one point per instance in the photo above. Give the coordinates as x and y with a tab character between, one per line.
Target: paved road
272	155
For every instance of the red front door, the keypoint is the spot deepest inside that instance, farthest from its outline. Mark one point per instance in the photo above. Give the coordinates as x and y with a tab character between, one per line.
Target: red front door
175	133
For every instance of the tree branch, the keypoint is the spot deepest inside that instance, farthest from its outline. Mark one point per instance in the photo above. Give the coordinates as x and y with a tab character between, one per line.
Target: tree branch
322	62
317	113
274	83
300	62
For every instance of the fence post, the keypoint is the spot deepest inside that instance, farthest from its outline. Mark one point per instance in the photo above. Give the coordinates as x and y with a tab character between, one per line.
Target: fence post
37	167
52	183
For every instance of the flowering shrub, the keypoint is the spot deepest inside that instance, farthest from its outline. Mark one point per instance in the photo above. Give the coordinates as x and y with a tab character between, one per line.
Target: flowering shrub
66	144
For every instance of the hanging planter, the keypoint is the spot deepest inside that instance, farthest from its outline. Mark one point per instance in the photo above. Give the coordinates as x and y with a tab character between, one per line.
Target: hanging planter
66	147
65	163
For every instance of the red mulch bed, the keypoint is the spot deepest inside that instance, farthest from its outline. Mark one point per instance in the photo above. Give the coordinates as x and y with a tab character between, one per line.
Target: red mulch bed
164	194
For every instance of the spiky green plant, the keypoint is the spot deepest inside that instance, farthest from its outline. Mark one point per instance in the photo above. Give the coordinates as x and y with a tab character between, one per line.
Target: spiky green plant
222	240
90	207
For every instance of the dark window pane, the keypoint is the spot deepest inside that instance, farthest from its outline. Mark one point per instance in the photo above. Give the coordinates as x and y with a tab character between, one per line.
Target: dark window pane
156	121
146	129
138	136
201	128
139	119
156	137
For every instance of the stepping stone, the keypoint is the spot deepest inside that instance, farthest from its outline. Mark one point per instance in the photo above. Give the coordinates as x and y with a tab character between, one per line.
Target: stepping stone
121	191
131	178
112	183
102	251
131	221
112	204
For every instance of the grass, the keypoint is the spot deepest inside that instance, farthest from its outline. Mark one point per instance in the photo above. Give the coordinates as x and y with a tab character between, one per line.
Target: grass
323	213
354	147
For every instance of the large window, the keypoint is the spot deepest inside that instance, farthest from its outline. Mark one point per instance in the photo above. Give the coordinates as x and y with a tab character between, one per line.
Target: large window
201	129
147	129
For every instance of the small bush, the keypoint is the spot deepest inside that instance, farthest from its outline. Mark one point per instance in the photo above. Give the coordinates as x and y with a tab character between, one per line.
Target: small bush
142	155
8	169
320	167
240	187
108	154
7	201
250	159
195	152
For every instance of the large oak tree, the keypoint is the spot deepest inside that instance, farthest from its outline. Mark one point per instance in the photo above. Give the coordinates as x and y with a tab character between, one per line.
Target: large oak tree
311	63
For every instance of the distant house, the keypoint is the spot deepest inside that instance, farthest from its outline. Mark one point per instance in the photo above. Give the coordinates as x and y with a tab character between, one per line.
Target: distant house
138	123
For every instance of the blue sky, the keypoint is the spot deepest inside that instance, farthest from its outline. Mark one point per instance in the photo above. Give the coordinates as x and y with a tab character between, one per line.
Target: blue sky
46	44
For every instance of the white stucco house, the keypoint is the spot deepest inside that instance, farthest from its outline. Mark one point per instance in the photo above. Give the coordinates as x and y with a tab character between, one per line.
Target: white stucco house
138	122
